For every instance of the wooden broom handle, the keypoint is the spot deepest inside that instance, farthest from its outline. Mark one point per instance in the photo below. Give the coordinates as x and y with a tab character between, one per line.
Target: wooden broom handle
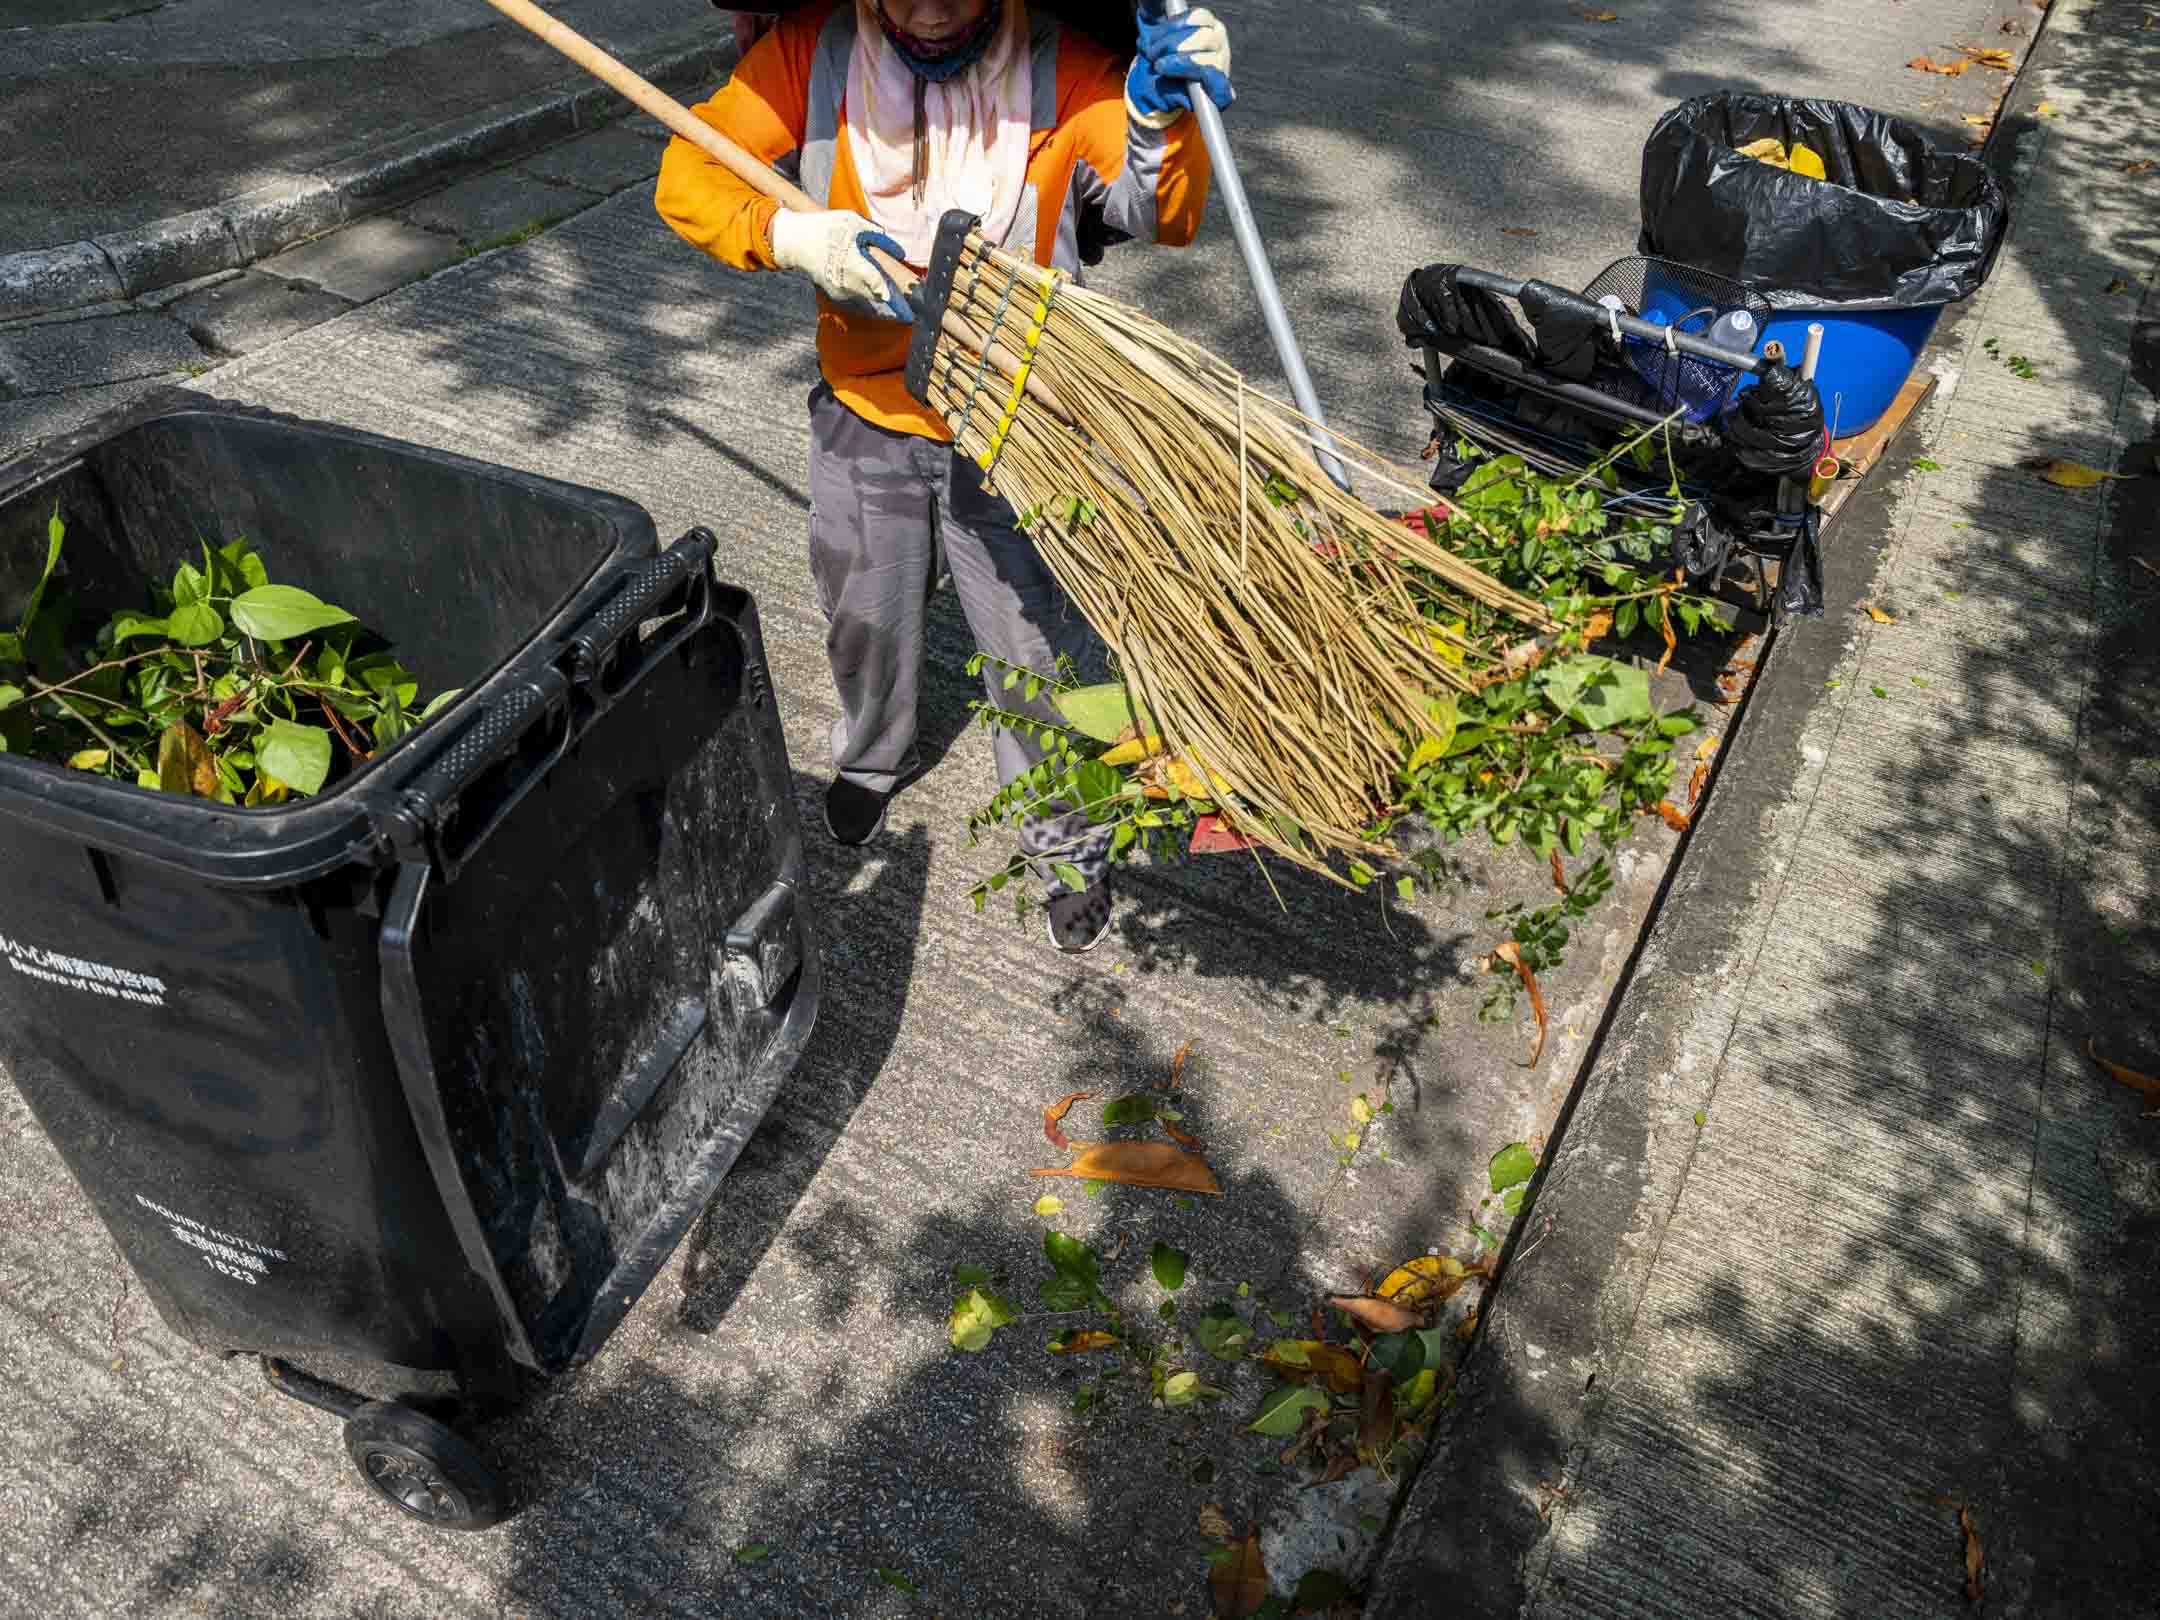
759	177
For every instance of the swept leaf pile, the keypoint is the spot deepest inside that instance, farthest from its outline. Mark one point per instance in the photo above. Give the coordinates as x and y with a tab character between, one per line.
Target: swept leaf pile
225	686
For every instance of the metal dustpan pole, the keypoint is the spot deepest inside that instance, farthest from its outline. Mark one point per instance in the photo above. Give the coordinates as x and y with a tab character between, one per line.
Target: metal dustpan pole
1247	230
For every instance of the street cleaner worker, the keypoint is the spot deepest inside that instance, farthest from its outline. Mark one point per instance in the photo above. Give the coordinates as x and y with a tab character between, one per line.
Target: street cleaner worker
892	112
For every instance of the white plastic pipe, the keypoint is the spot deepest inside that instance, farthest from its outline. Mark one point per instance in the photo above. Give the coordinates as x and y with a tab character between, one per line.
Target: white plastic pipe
1812	352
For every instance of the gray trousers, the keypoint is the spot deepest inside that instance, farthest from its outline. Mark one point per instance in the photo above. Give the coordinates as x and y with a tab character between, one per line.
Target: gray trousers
885	510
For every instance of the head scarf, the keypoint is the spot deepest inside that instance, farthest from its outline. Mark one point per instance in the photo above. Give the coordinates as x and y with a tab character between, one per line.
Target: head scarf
922	147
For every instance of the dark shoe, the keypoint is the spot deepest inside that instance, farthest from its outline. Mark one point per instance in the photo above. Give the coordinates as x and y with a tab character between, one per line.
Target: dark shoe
854	814
1079	921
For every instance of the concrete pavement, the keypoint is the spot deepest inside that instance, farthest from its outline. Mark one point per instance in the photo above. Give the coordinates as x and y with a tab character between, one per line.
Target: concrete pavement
1847	1231
786	1384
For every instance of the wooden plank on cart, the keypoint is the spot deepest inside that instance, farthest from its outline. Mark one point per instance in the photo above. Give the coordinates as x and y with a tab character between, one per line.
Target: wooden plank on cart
1858	453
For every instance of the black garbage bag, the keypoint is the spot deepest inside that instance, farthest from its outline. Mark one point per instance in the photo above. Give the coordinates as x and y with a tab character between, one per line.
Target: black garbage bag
1567	332
1435	308
1895	223
1776	426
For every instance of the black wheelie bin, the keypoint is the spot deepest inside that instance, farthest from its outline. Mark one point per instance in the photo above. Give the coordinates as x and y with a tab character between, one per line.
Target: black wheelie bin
425	1075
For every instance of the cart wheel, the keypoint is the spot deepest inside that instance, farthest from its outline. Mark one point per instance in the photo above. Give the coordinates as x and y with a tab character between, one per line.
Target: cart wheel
421	1468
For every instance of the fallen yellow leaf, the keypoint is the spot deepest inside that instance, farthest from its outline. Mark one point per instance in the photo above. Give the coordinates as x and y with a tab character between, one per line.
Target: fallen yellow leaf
1806	160
1140	1164
1992	56
2075	474
1877	614
2046	109
89	759
1426	1280
1597	16
1079	1344
1768	150
2129	1077
1048	1205
1214	1525
1980	120
1672	815
1948	70
1361	1110
1132	752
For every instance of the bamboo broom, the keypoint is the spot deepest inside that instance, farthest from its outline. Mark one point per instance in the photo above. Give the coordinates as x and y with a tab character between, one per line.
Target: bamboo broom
1287	643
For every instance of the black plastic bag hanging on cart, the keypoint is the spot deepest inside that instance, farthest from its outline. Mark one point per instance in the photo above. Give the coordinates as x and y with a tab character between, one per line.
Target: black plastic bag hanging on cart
1894	223
1435	308
1800	593
1776	427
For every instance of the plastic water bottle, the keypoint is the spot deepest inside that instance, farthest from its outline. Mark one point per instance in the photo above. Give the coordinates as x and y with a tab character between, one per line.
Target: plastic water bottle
1735	329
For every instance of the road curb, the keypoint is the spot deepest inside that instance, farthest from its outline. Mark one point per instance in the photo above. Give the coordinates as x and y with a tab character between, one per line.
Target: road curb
258	223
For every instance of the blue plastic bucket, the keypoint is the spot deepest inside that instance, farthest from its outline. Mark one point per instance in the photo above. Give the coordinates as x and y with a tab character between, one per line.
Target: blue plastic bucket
1866	357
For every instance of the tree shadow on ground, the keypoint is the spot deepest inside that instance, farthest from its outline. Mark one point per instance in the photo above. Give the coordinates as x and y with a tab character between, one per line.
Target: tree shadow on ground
1975	1321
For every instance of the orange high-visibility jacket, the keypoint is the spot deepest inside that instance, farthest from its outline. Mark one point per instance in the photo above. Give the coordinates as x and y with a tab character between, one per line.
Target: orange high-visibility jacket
784	104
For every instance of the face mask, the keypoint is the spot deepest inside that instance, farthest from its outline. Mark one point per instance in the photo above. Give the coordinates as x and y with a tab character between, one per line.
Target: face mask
939	64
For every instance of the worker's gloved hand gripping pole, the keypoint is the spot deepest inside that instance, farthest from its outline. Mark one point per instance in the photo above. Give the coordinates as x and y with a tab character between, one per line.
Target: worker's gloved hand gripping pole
812	249
1246	228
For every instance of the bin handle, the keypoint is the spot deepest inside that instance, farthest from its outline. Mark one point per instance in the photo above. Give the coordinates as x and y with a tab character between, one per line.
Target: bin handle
638	593
1648	331
404	1022
496	733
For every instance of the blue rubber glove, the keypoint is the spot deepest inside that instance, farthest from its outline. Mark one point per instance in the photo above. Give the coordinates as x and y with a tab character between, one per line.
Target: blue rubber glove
1175	54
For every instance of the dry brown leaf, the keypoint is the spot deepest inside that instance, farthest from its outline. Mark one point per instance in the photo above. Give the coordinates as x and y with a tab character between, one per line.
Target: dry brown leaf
2129	1077
1877	614
1177	1065
1992	56
1975	1559
1948	70
1381	1315
2074	474
1696	783
2140	166
1214	1525
1598	628
1184	1139
1596	16
1672	815
2148	567
1240	1582
1507	952
1517	230
1339	1466
2118	285
1376	1414
1079	1344
1559	873
1467	1327
1344	1373
1056	1112
1672	642
1140	1164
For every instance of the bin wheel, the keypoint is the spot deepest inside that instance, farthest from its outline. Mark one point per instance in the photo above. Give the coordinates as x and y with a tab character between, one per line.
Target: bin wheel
423	1469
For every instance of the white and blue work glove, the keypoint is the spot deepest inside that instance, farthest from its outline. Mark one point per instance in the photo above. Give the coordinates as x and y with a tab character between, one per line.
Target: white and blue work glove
1175	54
833	250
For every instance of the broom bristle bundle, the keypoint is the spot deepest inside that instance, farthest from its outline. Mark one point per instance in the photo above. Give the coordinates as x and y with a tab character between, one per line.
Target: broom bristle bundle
1284	637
